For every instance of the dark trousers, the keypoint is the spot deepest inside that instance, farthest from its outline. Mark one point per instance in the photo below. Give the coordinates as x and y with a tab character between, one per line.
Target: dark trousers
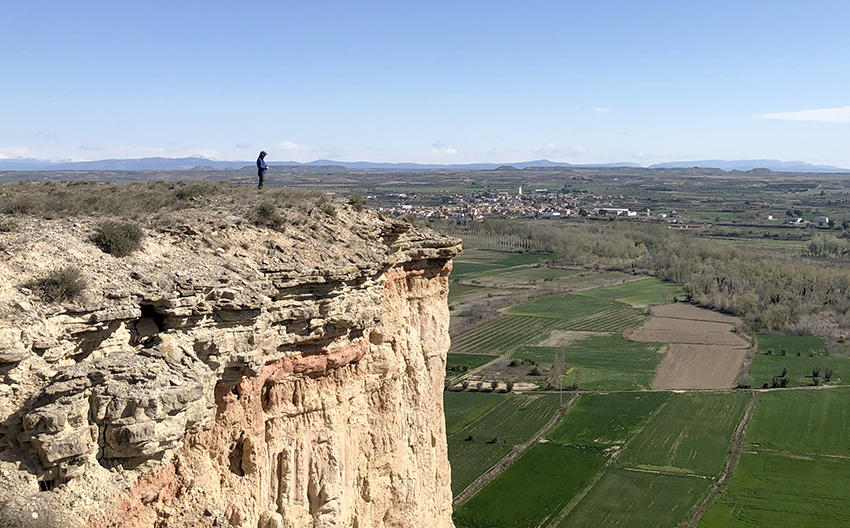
262	177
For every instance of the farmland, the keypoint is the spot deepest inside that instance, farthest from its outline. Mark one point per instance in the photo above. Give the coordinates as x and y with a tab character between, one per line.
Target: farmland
623	455
812	421
774	490
535	488
630	459
607	419
602	362
791	345
689	435
765	368
636	499
483	427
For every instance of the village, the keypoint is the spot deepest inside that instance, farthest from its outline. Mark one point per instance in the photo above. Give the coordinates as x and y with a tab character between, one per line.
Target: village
554	204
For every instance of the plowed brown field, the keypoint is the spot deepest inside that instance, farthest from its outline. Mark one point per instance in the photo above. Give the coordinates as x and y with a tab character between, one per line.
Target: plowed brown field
704	353
699	367
694	313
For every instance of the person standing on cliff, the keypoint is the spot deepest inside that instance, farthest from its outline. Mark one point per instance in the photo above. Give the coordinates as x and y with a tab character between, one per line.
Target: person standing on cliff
262	168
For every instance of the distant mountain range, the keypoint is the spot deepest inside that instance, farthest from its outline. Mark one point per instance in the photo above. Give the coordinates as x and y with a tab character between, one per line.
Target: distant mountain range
745	165
161	164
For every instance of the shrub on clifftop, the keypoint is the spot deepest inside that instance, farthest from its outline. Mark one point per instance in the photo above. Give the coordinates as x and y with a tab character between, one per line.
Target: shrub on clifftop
59	285
118	238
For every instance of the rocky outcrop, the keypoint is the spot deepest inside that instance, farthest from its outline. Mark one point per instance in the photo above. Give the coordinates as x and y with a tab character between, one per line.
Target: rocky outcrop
228	375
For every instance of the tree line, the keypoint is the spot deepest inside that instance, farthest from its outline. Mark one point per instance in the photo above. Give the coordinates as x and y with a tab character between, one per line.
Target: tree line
770	292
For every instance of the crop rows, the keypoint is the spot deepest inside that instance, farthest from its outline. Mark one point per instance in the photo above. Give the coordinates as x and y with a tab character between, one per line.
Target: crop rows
613	319
503	335
490	428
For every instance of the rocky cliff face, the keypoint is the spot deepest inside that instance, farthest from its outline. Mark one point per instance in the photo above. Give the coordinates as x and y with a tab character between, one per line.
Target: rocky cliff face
228	375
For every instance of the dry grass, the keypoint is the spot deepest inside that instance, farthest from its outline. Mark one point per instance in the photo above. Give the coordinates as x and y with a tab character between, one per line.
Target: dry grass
136	201
58	285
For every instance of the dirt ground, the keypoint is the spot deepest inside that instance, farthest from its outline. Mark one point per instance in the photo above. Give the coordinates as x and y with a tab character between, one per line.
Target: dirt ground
685	335
694	313
704	352
687	366
562	338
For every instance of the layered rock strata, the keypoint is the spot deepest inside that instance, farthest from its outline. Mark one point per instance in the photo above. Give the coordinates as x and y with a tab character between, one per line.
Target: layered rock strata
228	375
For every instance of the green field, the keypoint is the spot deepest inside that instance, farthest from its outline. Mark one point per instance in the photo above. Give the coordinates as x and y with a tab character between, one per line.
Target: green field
636	500
602	362
793	344
640	293
774	490
457	291
474	420
501	336
803	421
568	307
463	408
476	262
606	419
540	274
533	489
471	360
691	433
764	368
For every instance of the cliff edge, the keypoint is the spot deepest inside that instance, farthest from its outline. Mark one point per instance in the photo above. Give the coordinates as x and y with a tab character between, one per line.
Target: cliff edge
227	374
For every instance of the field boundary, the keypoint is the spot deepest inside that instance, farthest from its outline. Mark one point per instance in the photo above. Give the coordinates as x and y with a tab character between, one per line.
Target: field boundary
736	448
511	457
555	520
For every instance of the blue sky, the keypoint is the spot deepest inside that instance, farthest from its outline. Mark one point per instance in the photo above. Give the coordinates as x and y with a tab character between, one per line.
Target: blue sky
430	82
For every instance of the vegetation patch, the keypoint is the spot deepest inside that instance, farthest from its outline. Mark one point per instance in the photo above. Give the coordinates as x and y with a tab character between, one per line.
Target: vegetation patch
466	362
776	490
601	362
636	499
266	215
7	225
534	489
607	419
118	238
63	284
644	292
483	428
803	421
691	432
785	345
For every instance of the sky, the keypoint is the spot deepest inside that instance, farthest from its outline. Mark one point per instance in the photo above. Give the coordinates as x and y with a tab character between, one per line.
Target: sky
427	81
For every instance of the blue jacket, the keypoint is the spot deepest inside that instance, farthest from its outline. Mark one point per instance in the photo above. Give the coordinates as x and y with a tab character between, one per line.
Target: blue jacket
261	167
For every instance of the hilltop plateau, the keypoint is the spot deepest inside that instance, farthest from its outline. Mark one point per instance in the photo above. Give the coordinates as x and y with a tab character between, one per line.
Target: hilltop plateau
262	359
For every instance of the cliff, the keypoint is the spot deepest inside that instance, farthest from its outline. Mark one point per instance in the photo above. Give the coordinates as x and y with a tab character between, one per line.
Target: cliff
227	374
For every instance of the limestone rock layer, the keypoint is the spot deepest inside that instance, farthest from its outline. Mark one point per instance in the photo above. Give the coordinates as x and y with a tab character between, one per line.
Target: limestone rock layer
228	375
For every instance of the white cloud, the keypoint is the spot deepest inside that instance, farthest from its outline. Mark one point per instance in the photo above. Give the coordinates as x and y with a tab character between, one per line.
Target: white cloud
602	110
827	115
447	150
15	152
289	146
